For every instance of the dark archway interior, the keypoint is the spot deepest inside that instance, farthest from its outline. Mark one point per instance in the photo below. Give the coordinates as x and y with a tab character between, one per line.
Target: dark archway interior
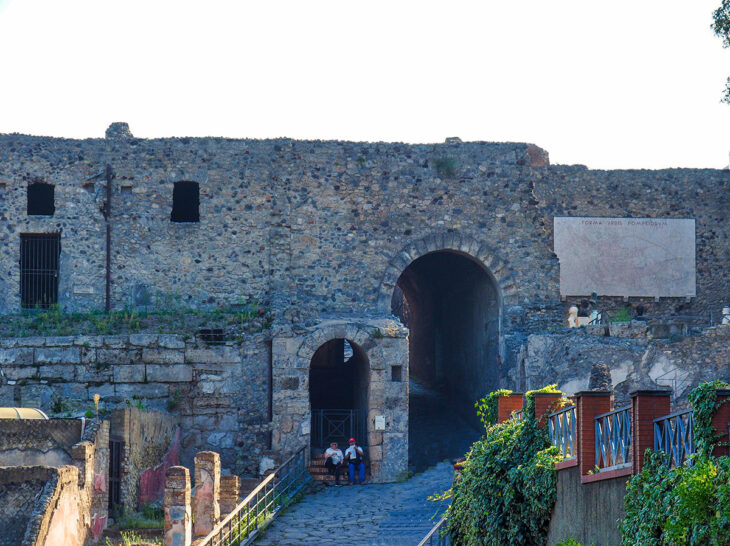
450	304
185	202
41	199
338	380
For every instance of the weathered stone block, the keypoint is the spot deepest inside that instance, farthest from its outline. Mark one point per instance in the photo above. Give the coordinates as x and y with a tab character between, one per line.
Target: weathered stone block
162	356
89	341
143	390
16	356
134	373
116	356
143	340
170	341
51	355
169	373
59	341
63	372
19	372
116	342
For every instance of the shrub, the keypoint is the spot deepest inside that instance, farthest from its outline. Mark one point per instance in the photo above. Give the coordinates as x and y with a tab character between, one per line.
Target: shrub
507	487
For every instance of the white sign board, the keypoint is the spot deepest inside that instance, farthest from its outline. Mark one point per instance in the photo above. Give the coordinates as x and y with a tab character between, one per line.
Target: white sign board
626	256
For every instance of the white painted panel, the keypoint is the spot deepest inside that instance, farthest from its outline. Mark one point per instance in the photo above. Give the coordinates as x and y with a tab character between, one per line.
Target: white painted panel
626	256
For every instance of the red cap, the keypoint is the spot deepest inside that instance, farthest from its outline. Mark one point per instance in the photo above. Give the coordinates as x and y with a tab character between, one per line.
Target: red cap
352	440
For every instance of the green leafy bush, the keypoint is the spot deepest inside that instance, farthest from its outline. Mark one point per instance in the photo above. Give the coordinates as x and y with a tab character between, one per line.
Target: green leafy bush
686	505
507	487
487	407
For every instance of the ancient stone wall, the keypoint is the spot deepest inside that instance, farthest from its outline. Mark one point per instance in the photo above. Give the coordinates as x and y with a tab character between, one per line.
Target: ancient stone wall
636	360
31	442
218	393
150	445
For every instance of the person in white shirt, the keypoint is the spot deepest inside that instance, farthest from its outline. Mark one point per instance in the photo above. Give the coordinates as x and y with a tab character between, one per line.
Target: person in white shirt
354	459
333	461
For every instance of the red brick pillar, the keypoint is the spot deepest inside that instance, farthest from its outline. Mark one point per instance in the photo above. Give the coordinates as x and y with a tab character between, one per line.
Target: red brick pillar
645	407
229	494
506	404
588	405
206	494
720	422
545	402
176	504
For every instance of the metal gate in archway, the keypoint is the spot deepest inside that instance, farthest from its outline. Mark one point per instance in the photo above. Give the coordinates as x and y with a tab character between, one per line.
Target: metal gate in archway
338	425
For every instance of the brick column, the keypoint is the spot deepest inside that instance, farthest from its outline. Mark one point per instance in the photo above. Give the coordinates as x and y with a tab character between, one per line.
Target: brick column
645	407
229	497
588	405
206	508
506	404
545	403
720	422
176	504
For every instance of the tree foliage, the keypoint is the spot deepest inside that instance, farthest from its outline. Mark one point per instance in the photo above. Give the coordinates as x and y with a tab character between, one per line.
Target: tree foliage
721	27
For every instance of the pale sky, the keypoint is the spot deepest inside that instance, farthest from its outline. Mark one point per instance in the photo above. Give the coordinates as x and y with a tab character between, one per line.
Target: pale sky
625	84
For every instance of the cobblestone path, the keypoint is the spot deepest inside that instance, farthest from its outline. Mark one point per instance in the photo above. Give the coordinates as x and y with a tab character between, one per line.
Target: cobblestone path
377	514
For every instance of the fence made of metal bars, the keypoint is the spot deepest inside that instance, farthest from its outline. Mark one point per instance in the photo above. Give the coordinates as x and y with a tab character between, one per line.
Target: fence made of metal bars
437	536
518	415
674	435
613	439
562	429
275	492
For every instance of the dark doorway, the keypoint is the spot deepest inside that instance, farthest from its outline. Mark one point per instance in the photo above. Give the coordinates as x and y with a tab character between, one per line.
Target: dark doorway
41	200
115	471
450	304
338	393
39	257
185	202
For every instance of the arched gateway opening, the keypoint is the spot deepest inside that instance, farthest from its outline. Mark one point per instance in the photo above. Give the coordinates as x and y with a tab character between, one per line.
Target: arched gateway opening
338	393
450	304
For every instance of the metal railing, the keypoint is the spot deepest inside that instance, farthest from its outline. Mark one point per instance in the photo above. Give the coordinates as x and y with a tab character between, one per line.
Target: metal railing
337	425
274	493
674	435
613	439
518	415
562	429
437	536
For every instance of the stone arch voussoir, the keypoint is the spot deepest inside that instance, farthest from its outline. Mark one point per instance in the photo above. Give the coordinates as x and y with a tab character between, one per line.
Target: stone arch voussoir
457	242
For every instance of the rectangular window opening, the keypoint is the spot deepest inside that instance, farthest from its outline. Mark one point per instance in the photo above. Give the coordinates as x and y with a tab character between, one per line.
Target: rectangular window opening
41	199
39	260
396	373
185	202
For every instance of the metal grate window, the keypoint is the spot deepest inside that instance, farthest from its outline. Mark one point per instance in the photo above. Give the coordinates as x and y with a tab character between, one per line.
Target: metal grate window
39	257
115	471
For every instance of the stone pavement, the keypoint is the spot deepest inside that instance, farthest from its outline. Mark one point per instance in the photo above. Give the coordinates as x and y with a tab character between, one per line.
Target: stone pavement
373	514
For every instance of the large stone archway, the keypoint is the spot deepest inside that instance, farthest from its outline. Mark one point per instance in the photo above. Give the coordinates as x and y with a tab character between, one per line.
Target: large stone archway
385	349
450	292
480	252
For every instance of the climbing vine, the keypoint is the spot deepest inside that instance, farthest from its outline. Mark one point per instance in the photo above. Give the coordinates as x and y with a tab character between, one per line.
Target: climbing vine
487	407
507	487
686	505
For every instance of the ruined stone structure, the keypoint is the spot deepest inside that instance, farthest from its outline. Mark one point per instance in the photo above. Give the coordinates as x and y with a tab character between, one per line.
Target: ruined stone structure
339	241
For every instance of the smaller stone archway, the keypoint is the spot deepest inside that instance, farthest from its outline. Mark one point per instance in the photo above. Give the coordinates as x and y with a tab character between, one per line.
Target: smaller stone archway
339	381
383	354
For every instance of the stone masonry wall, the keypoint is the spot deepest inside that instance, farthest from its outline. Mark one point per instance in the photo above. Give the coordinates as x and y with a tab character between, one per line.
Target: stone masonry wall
636	362
219	393
31	442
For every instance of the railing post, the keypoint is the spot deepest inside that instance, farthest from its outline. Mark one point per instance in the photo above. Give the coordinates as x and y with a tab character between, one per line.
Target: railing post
588	405
176	504
206	509
544	404
645	407
506	404
720	422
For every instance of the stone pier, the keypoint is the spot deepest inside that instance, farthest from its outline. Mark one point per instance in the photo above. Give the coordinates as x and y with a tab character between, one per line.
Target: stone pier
178	520
229	494
206	508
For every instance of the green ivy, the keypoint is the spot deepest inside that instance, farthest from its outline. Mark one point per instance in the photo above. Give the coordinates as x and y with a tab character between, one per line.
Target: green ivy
687	505
507	487
487	407
704	403
529	409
